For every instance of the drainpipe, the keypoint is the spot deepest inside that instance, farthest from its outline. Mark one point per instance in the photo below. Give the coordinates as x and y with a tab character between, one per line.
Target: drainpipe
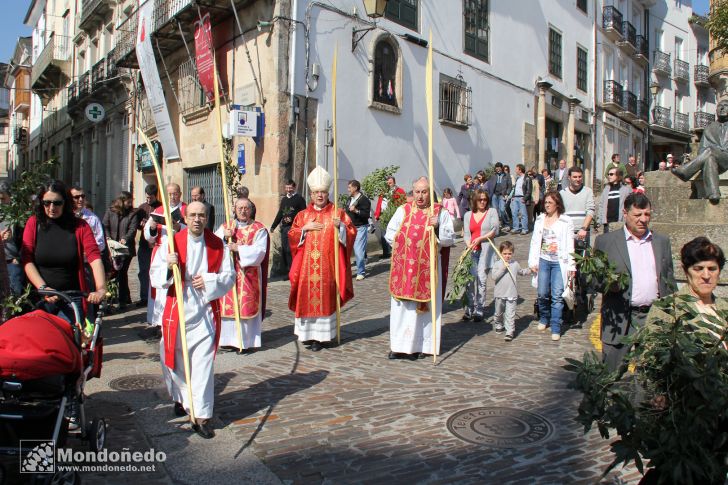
590	171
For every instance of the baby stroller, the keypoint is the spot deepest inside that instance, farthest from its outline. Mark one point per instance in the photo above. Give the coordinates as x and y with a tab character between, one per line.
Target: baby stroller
44	365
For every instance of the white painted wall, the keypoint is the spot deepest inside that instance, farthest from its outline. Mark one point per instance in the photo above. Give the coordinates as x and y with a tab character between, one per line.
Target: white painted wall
503	96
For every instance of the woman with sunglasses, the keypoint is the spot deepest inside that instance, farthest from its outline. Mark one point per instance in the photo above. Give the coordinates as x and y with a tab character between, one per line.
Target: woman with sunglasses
480	223
54	244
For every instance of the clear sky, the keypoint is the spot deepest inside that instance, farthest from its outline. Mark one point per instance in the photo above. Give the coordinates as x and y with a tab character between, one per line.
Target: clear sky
12	13
700	7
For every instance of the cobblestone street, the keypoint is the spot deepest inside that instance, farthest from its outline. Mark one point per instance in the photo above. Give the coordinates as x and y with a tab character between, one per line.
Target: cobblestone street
348	414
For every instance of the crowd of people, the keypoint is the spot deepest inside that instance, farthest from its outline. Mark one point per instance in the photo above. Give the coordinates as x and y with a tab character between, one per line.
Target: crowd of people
65	246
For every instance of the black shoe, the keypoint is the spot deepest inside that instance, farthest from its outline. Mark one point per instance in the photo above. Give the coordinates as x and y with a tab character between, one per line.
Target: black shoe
316	346
204	430
508	337
421	355
392	356
179	410
141	303
478	317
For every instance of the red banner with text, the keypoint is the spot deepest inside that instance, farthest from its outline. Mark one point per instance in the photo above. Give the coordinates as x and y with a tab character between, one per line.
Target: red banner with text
203	56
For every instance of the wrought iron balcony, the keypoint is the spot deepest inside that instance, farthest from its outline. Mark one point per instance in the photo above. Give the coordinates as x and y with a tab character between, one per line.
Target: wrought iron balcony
629	103
84	84
612	95
661	117
700	77
164	10
701	119
72	94
643	112
629	44
123	52
93	13
612	23
642	50
682	122
52	67
682	71
98	74
661	63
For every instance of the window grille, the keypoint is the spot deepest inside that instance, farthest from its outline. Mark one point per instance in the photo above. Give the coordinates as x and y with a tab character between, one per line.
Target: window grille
190	95
456	104
208	178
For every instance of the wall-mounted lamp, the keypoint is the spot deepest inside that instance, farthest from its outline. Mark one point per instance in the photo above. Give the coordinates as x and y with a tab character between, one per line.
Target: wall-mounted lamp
654	89
374	9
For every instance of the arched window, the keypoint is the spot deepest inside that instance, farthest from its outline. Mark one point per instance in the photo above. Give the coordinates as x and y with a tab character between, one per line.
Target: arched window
386	74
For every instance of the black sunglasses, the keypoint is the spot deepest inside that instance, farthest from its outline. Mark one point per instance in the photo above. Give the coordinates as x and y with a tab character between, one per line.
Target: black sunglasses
82	196
57	203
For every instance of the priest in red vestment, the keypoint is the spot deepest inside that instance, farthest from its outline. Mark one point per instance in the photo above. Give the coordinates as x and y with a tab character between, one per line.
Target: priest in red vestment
207	275
410	323
313	285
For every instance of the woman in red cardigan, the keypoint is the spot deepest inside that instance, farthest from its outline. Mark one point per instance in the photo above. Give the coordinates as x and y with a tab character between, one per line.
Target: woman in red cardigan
55	242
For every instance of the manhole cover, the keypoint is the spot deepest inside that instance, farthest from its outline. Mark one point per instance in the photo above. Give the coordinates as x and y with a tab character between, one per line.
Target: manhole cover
500	427
136	382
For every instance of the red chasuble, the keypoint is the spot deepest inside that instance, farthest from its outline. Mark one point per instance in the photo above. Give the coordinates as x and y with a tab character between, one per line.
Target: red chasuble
313	284
409	277
247	283
170	318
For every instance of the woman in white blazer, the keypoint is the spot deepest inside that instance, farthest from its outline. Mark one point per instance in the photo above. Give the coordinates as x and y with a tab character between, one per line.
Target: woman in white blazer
550	256
480	223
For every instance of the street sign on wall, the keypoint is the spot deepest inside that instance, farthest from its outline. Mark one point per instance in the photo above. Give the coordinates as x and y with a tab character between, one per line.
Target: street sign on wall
244	123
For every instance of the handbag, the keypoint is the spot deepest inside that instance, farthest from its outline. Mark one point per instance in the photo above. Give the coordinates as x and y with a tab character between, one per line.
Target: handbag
568	295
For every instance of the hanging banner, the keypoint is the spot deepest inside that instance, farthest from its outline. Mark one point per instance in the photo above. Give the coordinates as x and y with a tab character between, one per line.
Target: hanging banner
203	56
152	83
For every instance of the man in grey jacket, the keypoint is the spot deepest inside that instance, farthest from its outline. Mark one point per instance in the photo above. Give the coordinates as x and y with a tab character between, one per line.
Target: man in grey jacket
647	258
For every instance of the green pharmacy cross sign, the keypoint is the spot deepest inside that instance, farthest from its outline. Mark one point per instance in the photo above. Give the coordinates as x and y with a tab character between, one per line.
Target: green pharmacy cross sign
95	112
144	158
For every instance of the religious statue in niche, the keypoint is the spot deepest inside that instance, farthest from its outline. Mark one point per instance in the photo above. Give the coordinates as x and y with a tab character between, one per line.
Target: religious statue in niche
712	159
385	70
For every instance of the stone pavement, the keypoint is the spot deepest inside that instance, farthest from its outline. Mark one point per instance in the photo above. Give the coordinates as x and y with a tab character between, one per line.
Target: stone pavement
349	415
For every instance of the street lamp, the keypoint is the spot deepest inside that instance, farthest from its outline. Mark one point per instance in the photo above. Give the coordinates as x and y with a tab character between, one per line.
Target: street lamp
374	9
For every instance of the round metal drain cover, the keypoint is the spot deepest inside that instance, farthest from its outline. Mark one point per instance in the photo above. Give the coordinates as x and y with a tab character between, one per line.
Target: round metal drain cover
136	382
500	427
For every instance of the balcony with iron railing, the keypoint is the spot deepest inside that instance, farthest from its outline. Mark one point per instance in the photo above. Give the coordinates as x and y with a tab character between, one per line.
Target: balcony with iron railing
98	74
682	71
84	84
165	10
642	50
629	103
93	13
629	42
661	117
700	76
72	95
661	63
612	95
642	113
146	121
612	23
682	122
123	52
701	119
53	66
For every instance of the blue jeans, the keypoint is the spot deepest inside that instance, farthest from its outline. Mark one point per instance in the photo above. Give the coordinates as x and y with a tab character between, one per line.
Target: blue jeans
499	202
520	214
476	288
17	279
550	289
360	248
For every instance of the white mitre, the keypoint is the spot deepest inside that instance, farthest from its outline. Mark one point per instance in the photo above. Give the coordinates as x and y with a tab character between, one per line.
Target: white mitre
319	180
